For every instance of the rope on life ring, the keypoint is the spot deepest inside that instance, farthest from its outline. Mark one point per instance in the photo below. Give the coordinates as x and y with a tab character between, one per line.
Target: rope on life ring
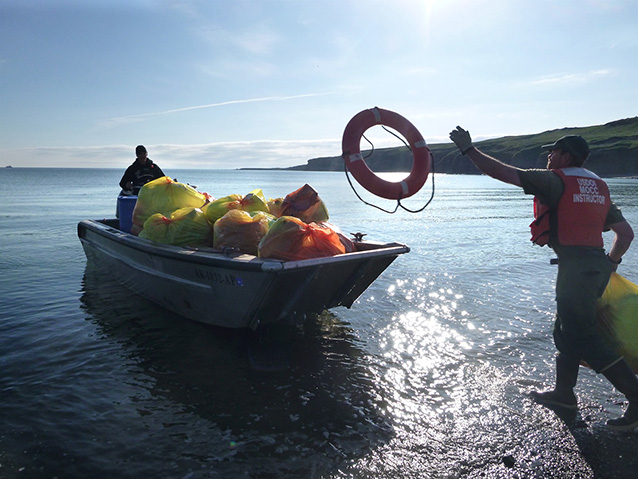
356	164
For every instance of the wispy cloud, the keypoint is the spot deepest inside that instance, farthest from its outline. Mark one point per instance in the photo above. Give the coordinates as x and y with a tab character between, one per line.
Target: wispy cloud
250	39
223	155
570	78
116	121
259	41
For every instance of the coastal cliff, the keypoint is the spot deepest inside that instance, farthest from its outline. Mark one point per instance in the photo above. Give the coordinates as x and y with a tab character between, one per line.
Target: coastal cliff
614	152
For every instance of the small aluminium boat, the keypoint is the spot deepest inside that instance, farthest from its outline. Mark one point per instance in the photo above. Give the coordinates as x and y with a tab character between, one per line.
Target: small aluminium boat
230	289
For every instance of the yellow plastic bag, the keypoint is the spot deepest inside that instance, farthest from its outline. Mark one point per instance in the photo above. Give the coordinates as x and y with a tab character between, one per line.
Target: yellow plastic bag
163	195
618	317
253	201
242	230
184	227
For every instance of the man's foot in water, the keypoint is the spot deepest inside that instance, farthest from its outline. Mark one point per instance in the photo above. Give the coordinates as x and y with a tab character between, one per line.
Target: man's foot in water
564	399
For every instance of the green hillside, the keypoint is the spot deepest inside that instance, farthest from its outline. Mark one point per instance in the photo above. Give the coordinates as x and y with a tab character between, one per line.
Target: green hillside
614	152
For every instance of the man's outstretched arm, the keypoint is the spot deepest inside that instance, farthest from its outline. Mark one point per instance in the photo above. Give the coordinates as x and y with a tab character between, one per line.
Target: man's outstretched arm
488	165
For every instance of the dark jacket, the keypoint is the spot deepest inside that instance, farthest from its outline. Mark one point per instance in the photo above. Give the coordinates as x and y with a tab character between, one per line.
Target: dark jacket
139	175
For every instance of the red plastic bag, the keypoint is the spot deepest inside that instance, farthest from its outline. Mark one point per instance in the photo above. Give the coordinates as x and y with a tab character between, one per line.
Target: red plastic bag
304	204
291	239
274	206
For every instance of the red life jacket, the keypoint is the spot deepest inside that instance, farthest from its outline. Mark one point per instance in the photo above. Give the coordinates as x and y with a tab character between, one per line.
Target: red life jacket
580	214
540	227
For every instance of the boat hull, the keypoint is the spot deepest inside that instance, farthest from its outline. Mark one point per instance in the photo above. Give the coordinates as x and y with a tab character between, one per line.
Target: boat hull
233	290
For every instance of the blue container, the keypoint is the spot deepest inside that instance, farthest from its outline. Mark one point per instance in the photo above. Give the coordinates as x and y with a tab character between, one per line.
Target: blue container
125	207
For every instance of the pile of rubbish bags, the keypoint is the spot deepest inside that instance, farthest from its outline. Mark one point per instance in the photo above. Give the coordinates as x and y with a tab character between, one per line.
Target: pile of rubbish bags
292	228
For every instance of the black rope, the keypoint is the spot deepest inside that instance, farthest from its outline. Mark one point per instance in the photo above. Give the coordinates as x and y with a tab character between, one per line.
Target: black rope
345	168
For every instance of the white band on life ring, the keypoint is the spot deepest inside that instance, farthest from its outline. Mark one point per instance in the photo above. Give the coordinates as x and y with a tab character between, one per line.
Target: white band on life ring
405	188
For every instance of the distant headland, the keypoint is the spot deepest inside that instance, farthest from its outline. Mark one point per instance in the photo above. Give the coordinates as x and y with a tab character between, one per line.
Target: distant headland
614	152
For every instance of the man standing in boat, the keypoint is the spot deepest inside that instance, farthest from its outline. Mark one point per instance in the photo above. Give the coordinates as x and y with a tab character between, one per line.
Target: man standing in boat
140	172
572	208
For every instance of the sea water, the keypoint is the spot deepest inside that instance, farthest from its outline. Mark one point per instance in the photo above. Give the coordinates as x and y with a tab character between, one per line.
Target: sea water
425	376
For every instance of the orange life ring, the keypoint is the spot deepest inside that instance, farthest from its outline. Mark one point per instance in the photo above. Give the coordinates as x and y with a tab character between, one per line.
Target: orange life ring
355	163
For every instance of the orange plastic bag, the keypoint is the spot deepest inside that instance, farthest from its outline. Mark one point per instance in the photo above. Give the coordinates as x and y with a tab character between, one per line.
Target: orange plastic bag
304	204
347	243
184	227
289	238
618	317
242	230
163	195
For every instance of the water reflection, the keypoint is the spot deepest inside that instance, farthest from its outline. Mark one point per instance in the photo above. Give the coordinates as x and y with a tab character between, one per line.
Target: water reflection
459	407
282	400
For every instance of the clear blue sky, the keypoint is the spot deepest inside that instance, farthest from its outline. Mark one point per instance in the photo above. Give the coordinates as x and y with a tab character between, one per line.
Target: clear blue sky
260	83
